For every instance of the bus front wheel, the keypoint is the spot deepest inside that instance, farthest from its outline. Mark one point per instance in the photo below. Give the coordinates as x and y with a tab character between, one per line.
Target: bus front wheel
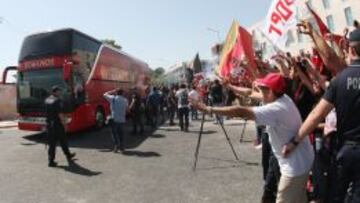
99	118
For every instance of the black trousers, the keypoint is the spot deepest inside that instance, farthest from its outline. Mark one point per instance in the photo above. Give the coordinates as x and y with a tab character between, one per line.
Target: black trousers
271	171
348	175
171	113
184	115
154	113
136	118
56	133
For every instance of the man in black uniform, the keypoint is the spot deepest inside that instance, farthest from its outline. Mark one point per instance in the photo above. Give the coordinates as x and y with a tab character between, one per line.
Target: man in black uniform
55	126
343	94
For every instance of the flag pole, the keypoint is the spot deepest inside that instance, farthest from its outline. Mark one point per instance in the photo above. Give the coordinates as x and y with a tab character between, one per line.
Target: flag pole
277	49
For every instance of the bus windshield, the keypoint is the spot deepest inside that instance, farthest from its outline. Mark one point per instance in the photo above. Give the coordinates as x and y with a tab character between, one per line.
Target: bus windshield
34	86
45	45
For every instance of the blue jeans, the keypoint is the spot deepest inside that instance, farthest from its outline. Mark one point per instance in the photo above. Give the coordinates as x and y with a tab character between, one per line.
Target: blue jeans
194	114
184	115
117	130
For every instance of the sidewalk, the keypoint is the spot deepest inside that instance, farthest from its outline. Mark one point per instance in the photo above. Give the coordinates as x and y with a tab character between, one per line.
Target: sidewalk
8	124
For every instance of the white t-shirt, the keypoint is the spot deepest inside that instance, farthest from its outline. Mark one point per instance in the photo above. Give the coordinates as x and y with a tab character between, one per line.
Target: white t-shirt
283	121
182	93
194	95
330	122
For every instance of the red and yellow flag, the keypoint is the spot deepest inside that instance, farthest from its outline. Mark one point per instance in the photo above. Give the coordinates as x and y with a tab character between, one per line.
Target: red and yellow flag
237	59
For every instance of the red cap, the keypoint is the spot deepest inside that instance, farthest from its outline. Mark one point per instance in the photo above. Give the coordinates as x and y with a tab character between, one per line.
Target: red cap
273	81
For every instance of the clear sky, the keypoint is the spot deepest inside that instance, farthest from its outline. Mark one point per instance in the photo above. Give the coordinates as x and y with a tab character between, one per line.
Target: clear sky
160	32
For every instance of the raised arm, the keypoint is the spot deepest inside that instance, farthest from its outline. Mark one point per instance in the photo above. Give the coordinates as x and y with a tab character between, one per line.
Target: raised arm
243	91
111	92
109	95
328	55
231	111
316	74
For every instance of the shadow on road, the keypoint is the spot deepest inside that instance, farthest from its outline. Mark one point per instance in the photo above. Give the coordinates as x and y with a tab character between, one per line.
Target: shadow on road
97	139
75	168
205	132
169	129
141	154
157	136
28	144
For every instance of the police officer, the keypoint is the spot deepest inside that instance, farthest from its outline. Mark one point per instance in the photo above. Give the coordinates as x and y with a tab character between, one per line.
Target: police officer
343	94
55	126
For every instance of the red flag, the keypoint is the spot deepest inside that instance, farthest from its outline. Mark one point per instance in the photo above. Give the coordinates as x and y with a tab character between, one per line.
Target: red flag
238	47
324	30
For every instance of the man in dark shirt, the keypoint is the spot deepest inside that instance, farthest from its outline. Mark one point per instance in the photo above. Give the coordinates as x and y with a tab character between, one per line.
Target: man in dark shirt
216	93
153	104
343	95
55	126
136	112
171	105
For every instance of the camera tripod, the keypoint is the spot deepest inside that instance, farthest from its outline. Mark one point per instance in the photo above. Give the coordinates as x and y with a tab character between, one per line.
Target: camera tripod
243	131
200	135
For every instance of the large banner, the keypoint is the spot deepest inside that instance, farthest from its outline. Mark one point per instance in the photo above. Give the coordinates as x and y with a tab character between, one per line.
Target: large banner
237	59
281	17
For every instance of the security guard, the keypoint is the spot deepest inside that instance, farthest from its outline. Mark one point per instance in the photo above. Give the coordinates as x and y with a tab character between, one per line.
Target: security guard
343	94
55	126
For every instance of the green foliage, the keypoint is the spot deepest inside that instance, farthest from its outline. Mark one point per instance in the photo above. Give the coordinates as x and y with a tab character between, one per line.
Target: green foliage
112	43
158	76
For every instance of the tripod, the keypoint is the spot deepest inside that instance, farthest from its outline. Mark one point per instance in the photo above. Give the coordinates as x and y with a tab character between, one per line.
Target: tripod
243	132
200	135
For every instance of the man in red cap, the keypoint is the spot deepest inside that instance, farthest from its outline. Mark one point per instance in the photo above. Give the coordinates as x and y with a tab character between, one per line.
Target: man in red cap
283	120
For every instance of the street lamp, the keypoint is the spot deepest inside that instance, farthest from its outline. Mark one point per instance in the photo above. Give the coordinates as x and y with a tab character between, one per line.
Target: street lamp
215	31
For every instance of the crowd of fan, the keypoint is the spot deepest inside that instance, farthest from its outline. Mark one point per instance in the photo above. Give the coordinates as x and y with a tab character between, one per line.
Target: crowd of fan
306	77
324	87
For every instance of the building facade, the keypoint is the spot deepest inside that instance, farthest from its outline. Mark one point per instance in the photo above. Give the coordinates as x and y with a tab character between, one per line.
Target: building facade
336	14
176	74
180	73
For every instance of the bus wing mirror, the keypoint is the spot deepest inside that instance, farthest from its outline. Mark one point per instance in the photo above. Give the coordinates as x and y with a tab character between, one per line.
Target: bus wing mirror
5	73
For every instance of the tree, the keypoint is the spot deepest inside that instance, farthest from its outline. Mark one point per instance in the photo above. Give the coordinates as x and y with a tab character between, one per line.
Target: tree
157	76
159	71
112	43
196	64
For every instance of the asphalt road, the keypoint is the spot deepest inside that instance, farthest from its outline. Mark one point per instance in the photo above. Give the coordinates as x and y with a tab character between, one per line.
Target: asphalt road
155	168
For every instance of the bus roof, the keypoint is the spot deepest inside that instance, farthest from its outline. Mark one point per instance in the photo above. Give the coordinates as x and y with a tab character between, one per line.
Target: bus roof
65	30
72	30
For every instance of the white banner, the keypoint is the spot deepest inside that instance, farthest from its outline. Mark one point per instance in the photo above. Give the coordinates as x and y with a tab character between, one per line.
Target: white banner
281	17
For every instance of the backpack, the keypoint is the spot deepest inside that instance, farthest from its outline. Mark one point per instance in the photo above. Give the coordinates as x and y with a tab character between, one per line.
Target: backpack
184	98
